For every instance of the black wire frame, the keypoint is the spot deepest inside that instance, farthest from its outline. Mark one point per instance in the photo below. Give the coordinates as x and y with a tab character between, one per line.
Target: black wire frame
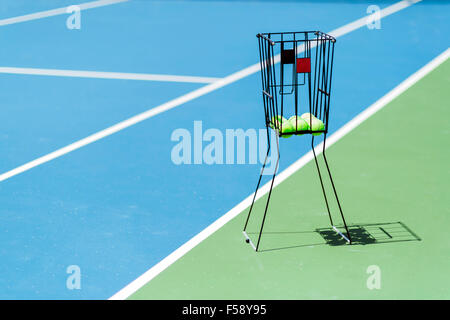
314	45
319	48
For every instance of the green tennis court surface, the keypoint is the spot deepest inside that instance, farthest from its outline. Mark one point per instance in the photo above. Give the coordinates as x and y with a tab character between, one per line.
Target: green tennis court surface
391	173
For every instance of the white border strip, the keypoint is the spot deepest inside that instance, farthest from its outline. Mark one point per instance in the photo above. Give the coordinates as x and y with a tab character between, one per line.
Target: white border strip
216	225
55	12
185	98
106	75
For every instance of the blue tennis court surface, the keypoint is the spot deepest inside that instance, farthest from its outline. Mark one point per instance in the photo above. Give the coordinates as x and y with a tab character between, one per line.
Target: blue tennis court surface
119	205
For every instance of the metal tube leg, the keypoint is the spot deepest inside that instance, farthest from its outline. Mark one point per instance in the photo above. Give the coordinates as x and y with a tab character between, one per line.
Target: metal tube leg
321	181
257	187
268	197
334	190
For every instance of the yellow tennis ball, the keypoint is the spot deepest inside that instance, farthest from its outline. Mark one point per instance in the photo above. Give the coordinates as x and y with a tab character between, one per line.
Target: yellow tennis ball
299	124
275	122
307	116
287	127
317	125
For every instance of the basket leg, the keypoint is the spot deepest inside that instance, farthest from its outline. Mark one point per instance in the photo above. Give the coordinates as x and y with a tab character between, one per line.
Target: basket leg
349	239
321	181
270	192
247	239
257	188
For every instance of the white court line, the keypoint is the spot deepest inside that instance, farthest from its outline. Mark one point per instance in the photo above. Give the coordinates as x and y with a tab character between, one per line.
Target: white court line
205	233
55	12
107	75
184	98
216	225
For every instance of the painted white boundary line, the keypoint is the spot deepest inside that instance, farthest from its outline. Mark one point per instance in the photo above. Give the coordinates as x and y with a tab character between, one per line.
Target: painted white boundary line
216	225
107	75
185	98
55	12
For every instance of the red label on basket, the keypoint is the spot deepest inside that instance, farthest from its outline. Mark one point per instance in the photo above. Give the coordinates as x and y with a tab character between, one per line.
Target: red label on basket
303	65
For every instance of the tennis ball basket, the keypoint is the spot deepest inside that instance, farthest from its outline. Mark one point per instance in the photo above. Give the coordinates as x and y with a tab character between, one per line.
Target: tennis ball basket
296	72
